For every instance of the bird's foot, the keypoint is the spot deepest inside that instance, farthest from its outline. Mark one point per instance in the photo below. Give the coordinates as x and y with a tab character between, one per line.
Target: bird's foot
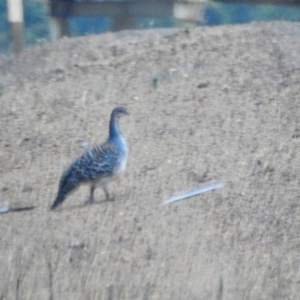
111	198
89	201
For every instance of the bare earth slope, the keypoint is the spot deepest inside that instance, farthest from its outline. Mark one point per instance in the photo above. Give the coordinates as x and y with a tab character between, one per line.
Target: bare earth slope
205	104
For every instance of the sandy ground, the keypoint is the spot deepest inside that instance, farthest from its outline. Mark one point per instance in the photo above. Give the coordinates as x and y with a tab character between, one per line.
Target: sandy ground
206	104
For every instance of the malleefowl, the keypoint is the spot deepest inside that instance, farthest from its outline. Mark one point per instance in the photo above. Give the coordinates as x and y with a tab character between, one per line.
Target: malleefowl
98	166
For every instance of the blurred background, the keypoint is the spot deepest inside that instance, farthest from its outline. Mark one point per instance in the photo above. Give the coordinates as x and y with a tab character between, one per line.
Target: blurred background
37	24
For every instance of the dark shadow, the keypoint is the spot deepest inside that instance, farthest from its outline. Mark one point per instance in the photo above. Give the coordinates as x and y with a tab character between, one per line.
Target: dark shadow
86	204
18	209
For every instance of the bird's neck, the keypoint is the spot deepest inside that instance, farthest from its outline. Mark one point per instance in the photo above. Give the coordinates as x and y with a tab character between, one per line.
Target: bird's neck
114	131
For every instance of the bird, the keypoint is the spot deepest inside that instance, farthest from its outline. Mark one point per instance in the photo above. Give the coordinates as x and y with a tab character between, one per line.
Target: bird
98	166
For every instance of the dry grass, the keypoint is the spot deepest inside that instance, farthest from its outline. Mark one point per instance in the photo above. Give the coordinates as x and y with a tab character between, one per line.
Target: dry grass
208	104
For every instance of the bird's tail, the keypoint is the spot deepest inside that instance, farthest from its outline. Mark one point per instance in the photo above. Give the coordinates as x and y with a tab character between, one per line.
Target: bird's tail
68	182
61	196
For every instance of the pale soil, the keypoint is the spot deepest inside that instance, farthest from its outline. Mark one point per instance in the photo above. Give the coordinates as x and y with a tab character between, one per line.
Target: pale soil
208	104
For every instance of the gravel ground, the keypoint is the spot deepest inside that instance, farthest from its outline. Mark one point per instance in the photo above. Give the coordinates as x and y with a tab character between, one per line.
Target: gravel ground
206	104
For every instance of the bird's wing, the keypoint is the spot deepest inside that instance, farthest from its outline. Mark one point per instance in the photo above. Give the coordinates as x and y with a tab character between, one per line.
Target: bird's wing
99	161
104	160
96	162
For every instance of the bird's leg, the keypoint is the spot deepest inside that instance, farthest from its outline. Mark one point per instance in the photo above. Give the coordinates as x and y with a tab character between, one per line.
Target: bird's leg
106	192
108	198
91	199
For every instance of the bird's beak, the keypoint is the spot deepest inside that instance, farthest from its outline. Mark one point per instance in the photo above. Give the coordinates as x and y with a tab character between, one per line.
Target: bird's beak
127	113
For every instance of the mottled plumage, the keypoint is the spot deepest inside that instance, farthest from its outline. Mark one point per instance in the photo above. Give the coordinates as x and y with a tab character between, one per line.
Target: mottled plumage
97	166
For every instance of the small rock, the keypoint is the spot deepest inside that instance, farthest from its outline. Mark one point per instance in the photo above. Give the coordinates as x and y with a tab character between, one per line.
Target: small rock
84	144
27	189
127	256
77	245
269	169
58	70
203	85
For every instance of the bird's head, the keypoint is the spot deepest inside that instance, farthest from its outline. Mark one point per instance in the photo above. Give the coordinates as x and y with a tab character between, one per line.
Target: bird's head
119	112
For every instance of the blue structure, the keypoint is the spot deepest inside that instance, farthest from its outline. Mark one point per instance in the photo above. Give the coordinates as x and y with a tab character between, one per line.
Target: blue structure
124	13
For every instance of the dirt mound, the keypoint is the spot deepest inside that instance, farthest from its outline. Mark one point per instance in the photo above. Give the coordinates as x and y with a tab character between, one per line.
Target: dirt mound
206	104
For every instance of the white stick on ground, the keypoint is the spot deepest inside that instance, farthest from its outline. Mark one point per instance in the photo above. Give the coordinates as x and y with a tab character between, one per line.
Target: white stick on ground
201	190
4	210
